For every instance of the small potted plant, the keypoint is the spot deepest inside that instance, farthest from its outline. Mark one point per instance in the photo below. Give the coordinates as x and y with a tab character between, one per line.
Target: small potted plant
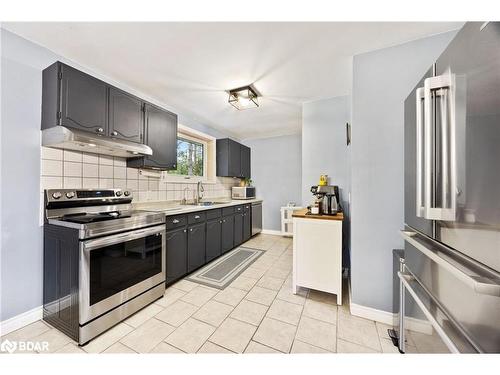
246	182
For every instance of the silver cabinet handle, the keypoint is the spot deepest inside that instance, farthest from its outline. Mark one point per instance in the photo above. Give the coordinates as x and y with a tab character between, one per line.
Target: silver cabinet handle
175	221
114	133
197	217
99	130
190	229
184	230
482	280
220	222
419	148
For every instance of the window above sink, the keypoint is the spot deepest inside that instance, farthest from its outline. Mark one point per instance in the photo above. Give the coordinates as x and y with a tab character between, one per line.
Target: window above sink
195	157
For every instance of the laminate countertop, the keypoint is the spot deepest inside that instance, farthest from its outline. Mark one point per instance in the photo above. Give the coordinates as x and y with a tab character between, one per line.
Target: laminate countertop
304	215
169	208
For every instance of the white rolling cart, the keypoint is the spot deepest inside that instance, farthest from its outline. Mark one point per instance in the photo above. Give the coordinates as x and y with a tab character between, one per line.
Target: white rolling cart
287	221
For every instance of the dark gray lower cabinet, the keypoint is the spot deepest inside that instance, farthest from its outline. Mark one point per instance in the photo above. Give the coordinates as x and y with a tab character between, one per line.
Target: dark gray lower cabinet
176	254
227	233
238	229
196	246
214	244
191	246
247	225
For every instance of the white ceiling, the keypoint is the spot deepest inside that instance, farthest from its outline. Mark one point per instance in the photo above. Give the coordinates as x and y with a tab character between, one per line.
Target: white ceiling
189	66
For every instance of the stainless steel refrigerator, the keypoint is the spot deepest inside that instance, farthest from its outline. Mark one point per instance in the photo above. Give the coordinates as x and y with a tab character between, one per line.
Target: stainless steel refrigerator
449	278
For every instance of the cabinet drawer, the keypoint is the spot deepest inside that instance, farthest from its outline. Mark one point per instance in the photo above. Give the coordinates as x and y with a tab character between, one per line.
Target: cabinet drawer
227	211
197	217
214	214
176	221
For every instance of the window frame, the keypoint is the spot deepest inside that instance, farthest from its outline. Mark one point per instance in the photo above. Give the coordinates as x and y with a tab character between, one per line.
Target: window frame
208	157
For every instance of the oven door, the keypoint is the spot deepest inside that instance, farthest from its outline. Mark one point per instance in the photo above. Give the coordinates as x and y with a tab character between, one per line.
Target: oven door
117	268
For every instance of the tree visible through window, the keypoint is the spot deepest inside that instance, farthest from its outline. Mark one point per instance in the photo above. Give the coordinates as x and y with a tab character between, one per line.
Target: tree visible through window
190	156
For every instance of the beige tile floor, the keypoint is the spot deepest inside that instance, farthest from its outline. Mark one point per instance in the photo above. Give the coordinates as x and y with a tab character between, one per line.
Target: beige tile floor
257	313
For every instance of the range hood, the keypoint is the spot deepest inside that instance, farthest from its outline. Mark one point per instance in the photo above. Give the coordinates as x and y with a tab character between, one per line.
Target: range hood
76	140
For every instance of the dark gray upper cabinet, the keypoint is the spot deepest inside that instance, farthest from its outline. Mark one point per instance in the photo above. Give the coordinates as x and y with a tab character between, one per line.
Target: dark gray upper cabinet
245	161
196	246
74	99
77	100
176	259
125	116
233	159
161	135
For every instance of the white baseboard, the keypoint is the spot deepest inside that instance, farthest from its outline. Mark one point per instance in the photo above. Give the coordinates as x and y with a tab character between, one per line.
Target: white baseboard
412	324
372	314
21	320
270	231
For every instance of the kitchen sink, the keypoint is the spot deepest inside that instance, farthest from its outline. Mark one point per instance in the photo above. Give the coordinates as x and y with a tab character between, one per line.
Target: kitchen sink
203	204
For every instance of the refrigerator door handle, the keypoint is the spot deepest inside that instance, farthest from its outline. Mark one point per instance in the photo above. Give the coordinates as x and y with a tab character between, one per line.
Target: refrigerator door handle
419	148
406	281
469	271
442	88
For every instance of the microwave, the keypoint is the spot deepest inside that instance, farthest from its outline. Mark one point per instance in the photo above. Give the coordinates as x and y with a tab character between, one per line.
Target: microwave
243	192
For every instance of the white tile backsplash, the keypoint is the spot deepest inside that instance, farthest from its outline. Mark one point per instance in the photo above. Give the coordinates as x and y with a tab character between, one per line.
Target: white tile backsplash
105	171
72	156
90	170
52	167
72	183
73	169
90	158
119	172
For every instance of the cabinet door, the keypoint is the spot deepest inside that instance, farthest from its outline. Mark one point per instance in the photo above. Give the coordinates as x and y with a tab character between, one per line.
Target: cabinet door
196	246
125	116
234	159
176	254
213	244
245	161
238	229
161	136
247	225
227	233
84	102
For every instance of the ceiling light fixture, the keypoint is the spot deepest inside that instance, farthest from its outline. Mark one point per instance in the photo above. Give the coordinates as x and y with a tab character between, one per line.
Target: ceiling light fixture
243	97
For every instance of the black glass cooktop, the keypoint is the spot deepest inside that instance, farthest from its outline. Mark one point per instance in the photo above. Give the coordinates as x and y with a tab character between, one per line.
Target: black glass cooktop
93	218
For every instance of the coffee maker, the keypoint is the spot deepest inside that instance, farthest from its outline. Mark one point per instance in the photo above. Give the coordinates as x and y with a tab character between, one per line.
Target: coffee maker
328	198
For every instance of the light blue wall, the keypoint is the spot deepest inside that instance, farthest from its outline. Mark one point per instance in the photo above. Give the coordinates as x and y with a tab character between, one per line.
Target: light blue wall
22	63
324	148
381	81
276	172
21	243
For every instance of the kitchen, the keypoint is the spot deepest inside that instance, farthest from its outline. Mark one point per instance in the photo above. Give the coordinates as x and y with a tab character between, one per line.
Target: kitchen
230	212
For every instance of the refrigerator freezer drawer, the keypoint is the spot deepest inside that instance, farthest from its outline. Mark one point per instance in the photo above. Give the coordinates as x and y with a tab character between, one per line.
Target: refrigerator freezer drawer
452	282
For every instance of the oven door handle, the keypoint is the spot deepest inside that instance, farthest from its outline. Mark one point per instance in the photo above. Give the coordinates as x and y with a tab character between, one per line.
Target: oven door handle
123	237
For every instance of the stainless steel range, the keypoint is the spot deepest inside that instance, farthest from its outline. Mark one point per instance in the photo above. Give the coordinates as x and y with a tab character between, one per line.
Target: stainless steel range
103	261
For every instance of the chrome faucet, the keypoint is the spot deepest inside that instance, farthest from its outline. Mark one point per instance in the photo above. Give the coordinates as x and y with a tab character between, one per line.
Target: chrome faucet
184	199
199	192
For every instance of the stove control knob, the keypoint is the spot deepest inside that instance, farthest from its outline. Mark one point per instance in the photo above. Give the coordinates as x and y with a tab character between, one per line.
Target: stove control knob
126	193
70	194
118	193
56	195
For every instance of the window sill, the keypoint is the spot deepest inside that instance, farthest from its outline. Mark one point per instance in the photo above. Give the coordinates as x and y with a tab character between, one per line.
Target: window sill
190	180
